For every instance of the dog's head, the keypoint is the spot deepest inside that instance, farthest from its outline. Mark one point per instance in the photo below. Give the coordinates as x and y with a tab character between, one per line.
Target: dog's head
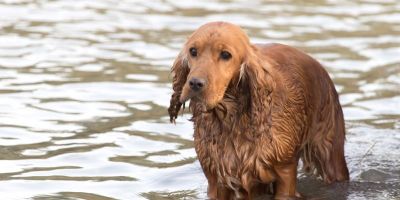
215	54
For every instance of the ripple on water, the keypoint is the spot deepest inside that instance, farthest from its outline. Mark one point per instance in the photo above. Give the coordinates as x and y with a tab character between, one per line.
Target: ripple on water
17	136
107	91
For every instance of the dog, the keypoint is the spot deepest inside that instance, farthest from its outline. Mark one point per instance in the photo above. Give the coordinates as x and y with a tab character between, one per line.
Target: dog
257	109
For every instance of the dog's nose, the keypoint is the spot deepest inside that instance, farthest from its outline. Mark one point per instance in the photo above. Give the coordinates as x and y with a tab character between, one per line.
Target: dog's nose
196	84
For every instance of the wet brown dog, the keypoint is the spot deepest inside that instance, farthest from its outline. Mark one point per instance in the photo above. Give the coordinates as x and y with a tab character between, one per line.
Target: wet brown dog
257	109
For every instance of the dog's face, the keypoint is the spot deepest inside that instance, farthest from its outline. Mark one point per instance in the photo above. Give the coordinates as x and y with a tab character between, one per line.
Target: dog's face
214	54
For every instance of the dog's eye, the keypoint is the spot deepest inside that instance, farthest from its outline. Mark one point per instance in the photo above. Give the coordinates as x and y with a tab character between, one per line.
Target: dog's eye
193	51
225	55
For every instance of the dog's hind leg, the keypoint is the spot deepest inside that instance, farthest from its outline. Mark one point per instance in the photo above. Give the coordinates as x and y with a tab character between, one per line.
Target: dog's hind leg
328	148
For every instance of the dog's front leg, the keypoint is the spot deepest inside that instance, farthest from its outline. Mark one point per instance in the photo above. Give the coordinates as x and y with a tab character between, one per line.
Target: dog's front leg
285	185
218	192
212	190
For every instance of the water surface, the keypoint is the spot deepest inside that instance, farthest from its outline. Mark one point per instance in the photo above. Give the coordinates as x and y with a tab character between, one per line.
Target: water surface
84	88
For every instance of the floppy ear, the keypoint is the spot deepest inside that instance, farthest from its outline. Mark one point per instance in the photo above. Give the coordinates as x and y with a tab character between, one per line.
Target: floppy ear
180	71
259	84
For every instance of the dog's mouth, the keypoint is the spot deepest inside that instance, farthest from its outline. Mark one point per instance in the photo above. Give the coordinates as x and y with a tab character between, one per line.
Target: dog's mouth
203	97
183	98
192	97
198	99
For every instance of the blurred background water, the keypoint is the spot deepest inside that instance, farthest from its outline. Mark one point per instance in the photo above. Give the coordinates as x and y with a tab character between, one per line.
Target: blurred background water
84	88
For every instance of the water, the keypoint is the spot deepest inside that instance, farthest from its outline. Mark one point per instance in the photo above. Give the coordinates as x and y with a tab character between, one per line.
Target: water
84	88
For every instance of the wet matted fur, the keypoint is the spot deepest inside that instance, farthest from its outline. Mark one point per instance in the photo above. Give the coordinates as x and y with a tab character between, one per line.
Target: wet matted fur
258	110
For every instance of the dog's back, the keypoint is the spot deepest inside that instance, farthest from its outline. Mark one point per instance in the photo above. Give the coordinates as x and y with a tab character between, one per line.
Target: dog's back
305	96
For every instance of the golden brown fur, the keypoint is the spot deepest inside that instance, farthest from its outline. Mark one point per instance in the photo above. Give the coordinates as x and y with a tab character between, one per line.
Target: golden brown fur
257	113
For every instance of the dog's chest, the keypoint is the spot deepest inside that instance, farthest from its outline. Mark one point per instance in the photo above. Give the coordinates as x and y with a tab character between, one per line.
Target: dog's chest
226	153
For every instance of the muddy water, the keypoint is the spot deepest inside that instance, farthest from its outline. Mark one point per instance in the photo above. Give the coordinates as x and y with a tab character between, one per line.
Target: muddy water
84	87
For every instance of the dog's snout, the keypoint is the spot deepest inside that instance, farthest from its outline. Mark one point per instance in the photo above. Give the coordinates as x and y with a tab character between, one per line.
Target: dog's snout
196	84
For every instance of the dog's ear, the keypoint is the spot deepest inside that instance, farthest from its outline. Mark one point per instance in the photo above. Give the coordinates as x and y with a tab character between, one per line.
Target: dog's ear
259	83
180	71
